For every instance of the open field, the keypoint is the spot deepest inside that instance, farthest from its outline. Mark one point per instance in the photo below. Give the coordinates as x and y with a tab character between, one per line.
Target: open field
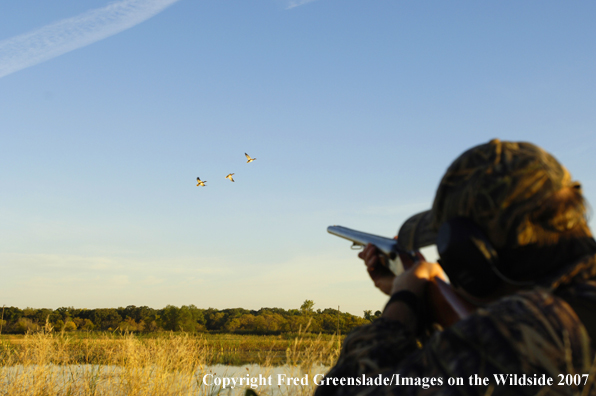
167	364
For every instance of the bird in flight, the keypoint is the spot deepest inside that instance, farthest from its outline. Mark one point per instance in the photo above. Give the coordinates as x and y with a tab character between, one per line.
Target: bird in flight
201	182
230	177
249	159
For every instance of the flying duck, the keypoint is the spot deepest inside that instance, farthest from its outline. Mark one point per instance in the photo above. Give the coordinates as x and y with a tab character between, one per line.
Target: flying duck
249	159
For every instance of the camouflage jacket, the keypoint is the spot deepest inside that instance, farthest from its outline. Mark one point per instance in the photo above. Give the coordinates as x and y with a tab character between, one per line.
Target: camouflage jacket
518	343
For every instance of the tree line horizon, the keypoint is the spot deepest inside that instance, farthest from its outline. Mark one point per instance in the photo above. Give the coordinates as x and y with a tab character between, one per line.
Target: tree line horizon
187	318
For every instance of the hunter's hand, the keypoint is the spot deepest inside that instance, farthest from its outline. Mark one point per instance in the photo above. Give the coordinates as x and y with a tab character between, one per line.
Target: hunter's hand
379	273
416	278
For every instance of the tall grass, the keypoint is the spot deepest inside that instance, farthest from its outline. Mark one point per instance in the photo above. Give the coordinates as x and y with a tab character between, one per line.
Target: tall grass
49	364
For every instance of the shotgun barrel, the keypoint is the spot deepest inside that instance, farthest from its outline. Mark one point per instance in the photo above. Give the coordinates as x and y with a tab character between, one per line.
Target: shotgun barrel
387	246
446	306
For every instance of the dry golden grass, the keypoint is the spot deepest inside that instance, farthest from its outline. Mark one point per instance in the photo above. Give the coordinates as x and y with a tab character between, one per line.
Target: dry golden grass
48	364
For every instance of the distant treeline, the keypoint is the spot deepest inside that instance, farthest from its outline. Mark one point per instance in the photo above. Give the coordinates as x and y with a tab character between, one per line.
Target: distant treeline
187	318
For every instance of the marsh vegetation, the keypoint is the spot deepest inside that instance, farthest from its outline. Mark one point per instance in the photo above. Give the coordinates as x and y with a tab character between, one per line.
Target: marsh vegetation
52	363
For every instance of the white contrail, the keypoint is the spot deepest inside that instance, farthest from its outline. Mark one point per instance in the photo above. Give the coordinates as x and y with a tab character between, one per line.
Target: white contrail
58	38
296	3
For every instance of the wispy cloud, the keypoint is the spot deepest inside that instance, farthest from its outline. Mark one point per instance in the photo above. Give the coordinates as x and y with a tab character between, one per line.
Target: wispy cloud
297	3
50	41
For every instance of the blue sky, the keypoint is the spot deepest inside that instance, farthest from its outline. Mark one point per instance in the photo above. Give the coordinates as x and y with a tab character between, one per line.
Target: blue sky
353	109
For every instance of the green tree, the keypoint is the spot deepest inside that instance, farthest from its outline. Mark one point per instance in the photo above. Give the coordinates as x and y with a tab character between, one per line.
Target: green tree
59	325
70	326
170	317
25	325
215	320
368	315
307	307
106	318
84	324
329	323
129	325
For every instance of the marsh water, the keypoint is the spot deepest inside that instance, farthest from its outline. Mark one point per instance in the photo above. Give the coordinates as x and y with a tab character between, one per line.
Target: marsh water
116	380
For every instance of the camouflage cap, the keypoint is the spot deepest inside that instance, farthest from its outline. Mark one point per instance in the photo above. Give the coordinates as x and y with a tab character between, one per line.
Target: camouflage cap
498	185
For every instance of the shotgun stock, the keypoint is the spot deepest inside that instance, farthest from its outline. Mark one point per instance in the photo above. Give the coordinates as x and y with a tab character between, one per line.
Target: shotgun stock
446	306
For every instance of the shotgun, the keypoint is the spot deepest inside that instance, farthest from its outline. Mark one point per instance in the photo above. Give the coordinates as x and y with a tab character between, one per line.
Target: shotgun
447	307
387	246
